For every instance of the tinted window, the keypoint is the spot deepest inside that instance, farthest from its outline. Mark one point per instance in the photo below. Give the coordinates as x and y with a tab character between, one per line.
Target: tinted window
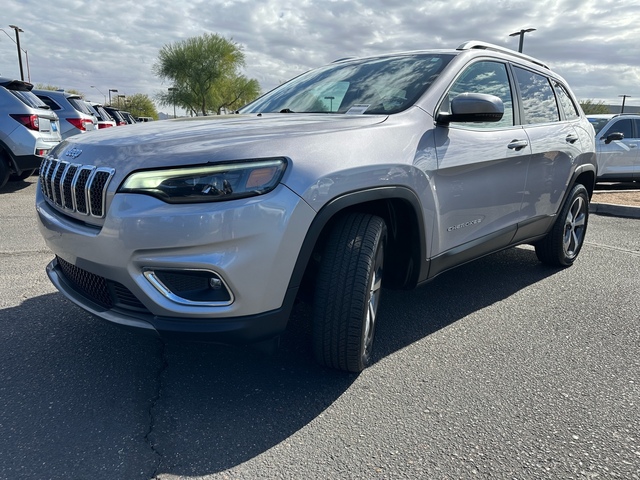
29	99
538	100
484	77
52	105
373	85
79	105
566	103
623	126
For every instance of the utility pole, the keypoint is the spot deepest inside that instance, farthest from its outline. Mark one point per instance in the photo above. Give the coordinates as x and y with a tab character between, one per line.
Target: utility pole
18	29
624	97
521	34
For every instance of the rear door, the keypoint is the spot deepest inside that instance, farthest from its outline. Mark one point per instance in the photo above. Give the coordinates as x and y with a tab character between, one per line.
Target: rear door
555	143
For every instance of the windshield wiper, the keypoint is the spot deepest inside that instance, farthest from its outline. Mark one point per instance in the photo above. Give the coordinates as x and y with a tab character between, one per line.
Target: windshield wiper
286	110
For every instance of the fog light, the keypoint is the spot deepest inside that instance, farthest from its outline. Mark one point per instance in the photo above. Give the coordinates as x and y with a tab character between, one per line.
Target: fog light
191	287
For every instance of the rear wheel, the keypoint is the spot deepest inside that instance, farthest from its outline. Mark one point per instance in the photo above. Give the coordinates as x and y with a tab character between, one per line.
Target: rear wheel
562	244
348	293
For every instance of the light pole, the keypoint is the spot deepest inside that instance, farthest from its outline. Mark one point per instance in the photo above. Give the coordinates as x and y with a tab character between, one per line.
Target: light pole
173	91
18	29
331	103
119	97
624	97
521	33
26	54
103	95
112	90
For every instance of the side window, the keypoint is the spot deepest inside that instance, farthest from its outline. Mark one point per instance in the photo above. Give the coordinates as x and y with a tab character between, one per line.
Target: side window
485	77
623	126
538	100
636	122
567	105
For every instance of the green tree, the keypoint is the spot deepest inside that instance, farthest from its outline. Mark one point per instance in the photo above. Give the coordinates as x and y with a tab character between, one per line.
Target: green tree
591	107
204	71
234	92
140	105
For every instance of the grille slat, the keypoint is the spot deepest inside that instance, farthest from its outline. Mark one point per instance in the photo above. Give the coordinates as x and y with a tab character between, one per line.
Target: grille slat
75	188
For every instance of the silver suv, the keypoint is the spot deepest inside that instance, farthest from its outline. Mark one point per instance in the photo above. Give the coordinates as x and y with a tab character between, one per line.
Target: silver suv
28	130
617	147
385	170
74	114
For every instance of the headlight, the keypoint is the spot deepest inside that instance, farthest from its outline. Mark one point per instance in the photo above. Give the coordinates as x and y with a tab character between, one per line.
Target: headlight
208	183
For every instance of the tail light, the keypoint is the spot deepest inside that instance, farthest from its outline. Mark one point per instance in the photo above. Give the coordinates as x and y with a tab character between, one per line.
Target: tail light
104	125
81	123
30	121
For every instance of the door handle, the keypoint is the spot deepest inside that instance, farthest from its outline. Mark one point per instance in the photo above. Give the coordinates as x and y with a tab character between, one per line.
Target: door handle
571	138
517	144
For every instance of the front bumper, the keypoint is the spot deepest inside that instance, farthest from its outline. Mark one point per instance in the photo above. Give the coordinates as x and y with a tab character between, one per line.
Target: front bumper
251	244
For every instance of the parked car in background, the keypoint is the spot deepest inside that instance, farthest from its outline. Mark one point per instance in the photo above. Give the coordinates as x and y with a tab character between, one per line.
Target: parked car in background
128	117
384	170
116	115
74	114
104	119
29	129
617	146
144	119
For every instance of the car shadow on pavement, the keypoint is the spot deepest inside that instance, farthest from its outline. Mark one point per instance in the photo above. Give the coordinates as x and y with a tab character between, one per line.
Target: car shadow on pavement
80	398
14	186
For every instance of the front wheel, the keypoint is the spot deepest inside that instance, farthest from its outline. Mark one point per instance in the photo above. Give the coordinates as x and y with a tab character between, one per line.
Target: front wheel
348	293
563	243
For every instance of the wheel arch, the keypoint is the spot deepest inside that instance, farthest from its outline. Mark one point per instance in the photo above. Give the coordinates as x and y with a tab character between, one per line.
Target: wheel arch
586	175
401	210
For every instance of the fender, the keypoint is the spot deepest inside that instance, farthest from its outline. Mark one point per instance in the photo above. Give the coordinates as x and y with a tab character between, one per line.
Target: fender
352	200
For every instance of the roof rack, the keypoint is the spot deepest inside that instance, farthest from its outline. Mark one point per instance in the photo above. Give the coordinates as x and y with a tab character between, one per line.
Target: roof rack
477	45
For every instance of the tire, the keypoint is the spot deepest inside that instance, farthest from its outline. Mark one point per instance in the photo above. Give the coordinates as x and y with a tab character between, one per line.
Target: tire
563	243
348	291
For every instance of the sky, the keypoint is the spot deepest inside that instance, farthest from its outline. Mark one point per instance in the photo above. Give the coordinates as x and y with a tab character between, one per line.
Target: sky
101	45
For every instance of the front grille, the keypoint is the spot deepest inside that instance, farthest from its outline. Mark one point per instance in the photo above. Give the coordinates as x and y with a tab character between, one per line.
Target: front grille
74	187
106	293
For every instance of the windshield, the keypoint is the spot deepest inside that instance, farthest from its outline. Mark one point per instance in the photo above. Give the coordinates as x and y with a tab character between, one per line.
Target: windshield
598	123
381	85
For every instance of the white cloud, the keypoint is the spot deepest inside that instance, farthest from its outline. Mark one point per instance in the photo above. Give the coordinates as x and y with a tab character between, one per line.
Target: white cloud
113	45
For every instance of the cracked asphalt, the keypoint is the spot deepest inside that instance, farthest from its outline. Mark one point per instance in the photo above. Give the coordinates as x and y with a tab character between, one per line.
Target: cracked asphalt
501	369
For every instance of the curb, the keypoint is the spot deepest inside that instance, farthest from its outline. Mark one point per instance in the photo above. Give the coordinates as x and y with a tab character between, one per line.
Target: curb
626	211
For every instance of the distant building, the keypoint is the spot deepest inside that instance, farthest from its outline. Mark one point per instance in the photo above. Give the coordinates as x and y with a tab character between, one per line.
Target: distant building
627	109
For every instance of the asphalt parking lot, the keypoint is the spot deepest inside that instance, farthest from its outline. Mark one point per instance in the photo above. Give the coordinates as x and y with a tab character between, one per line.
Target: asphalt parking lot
502	369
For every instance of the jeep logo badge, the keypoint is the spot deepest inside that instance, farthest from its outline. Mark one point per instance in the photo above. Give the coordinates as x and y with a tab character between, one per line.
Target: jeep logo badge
74	153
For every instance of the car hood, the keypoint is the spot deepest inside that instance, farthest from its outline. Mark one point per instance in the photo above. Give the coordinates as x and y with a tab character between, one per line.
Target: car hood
203	139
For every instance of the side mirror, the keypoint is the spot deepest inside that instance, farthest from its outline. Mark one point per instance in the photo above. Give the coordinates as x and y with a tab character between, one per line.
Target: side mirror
473	107
613	136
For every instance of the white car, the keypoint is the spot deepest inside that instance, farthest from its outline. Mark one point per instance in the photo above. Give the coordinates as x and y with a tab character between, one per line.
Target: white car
617	146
